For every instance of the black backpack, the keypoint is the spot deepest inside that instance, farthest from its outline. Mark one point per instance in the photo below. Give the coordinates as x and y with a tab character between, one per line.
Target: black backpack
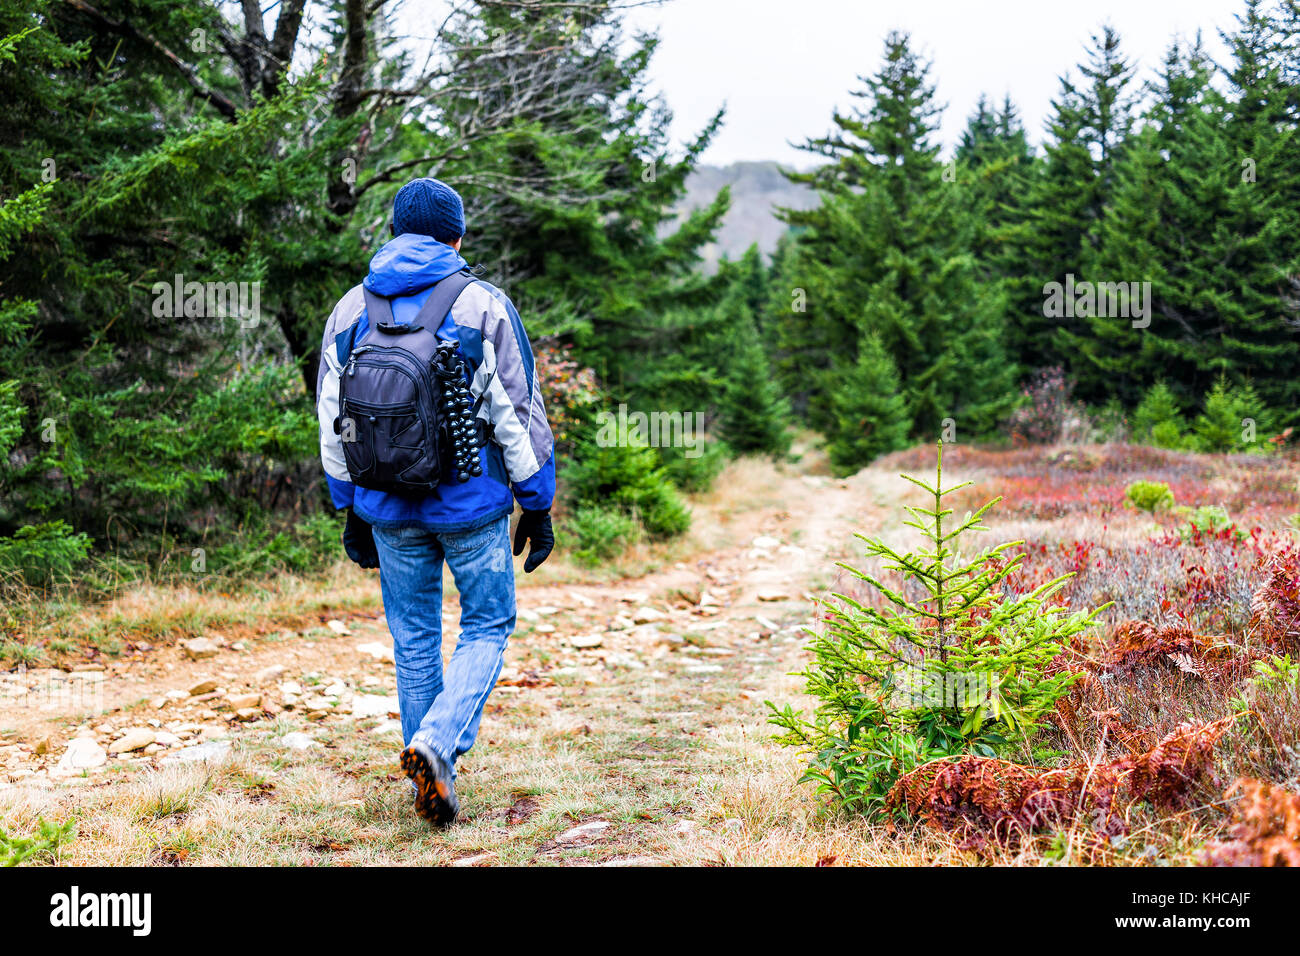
405	414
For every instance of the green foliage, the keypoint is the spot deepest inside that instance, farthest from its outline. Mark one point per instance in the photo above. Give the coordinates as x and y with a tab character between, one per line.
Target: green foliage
695	474
1209	520
599	535
257	552
43	554
943	663
1149	496
1231	416
1087	135
885	265
1192	210
752	411
868	413
41	848
629	478
1157	420
1277	676
155	431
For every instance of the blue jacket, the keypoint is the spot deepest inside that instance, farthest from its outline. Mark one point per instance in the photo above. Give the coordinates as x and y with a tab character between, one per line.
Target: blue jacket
518	463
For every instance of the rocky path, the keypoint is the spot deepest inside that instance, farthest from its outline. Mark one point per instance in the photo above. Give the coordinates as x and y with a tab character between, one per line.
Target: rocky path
623	719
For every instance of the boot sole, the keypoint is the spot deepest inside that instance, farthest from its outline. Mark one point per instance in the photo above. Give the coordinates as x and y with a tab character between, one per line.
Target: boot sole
432	796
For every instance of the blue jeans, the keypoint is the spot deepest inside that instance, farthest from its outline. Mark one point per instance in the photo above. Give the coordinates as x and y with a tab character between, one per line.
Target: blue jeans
442	710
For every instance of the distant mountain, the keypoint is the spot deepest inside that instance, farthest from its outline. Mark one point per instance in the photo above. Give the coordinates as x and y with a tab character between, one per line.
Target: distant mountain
757	188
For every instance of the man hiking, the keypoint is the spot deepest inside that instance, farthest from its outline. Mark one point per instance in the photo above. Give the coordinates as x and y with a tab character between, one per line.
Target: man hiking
431	427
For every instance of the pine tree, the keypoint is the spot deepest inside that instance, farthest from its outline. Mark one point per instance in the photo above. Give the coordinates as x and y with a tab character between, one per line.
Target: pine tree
995	165
1230	413
1205	209
1257	250
888	252
1067	198
1158	227
753	413
868	413
577	194
943	663
1158	420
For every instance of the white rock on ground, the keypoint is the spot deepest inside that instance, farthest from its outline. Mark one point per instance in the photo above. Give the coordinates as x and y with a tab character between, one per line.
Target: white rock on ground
199	648
773	594
373	705
134	739
704	669
338	627
298	741
83	753
647	615
213	750
765	541
583	832
585	641
380	652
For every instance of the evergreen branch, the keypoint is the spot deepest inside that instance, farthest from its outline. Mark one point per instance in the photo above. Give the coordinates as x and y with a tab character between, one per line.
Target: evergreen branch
190	73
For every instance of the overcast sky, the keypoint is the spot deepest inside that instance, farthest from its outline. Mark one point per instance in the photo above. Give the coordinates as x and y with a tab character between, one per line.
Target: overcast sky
782	67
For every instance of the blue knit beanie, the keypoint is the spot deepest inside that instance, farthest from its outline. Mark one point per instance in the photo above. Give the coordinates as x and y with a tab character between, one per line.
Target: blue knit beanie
430	208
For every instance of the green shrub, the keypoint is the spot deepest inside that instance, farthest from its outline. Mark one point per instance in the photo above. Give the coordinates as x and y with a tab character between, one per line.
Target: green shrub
599	534
1208	520
951	665
629	478
695	475
1278	677
310	544
1149	496
40	848
1221	427
43	554
1157	420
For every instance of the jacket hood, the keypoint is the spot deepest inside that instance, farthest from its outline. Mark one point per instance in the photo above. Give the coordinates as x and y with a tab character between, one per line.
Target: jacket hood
411	262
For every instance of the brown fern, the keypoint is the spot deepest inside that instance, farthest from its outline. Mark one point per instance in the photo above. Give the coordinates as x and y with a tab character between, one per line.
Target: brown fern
1265	827
1275	606
982	798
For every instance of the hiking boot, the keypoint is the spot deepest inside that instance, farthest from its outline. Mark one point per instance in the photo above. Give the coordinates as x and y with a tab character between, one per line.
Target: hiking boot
435	795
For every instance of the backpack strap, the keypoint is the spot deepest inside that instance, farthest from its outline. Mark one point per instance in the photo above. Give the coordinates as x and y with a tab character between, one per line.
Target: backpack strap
445	293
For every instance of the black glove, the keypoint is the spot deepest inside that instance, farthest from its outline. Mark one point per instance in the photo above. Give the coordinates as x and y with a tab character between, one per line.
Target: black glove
535	527
359	541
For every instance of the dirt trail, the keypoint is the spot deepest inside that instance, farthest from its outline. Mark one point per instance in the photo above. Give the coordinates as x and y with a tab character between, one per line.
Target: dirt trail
663	675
